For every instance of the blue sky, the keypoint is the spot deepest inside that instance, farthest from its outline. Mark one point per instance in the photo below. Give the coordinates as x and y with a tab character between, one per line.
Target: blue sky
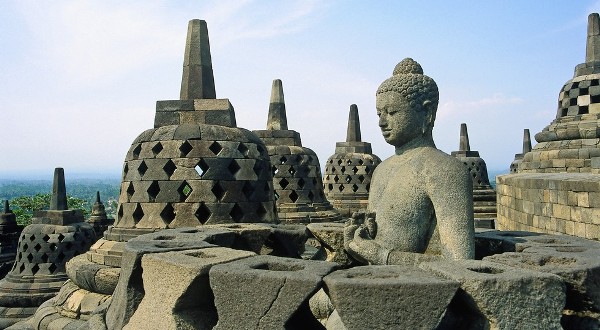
79	79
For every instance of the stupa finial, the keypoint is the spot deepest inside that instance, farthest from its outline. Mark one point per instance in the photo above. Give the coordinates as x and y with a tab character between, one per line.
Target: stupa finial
464	138
6	207
197	81
526	141
592	51
353	132
277	117
98	197
58	201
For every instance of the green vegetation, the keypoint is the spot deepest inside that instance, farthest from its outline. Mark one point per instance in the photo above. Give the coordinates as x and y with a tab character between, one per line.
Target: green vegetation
25	206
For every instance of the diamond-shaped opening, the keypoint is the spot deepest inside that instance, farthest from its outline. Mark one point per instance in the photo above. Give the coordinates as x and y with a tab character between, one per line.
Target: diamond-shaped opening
248	189
158	147
243	149
283	183
138	213
282	160
336	178
294	196
292	170
343	169
276	195
37	247
60	257
215	147
333	170
348	179
218	191
185	148
170	168
136	151
354	187
44	257
261	211
311	196
349	162
257	168
355	169
341	187
184	190
142	168
367	187
201	167
233	167
125	170
339	162
361	178
32	238
46	238
21	268
367	169
168	213
35	269
301	183
153	191
52	247
236	213
52	268
30	257
130	190
61	237
360	162
120	213
274	169
203	213
330	187
25	247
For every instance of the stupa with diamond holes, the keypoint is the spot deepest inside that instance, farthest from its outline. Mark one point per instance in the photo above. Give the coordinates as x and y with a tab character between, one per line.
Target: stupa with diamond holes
296	170
195	166
98	218
519	157
348	171
484	196
572	139
9	237
54	237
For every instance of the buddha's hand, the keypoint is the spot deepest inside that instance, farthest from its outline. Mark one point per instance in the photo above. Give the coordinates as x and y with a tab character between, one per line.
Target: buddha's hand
359	219
365	249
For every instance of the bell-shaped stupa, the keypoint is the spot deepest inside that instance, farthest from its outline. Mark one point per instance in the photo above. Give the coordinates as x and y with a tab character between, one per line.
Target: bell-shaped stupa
514	166
484	196
348	171
54	237
296	169
98	217
9	237
572	138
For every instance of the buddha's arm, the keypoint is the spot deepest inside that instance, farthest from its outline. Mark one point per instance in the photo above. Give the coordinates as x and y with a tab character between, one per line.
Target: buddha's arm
451	193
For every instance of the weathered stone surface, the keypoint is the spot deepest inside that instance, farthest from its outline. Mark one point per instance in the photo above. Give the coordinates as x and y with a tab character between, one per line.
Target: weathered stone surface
249	237
506	297
92	276
269	292
177	290
389	297
579	268
331	237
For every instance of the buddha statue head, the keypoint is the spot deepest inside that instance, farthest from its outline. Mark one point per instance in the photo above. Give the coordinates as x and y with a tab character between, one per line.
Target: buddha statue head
406	104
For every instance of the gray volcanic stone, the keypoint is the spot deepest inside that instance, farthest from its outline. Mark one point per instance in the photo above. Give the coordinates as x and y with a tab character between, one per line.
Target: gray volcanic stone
331	237
177	290
130	288
506	297
92	276
267	292
389	297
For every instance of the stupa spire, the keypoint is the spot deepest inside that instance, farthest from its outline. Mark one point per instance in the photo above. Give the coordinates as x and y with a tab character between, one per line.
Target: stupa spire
592	51
277	119
58	201
6	207
464	138
197	80
526	141
353	132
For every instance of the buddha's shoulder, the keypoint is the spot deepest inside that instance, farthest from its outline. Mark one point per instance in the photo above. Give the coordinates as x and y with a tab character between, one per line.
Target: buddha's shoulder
435	159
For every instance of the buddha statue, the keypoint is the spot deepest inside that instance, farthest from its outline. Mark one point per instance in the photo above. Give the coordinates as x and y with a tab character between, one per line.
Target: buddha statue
420	205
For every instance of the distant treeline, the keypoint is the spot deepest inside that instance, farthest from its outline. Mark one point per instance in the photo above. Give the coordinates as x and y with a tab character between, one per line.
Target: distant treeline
81	188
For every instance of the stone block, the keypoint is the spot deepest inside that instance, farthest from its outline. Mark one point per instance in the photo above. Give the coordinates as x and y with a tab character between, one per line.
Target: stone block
506	297
272	292
165	118
177	290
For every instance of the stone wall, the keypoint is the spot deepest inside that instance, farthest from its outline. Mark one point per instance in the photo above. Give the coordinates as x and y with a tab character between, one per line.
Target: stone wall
557	203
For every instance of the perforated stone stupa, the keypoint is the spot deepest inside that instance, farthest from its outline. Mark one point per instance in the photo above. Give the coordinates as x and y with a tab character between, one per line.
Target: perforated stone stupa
484	196
98	217
348	171
526	148
195	166
571	140
9	237
296	170
54	237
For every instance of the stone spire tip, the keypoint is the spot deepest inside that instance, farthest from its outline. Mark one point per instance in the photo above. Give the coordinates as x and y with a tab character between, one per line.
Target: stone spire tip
526	141
6	206
592	51
58	200
464	138
97	197
353	131
197	81
277	119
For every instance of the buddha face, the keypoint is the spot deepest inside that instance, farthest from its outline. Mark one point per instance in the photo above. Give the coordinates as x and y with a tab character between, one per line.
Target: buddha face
399	122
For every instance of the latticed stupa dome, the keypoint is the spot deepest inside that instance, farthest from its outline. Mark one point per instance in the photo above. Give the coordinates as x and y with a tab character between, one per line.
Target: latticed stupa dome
348	171
195	166
571	140
296	169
